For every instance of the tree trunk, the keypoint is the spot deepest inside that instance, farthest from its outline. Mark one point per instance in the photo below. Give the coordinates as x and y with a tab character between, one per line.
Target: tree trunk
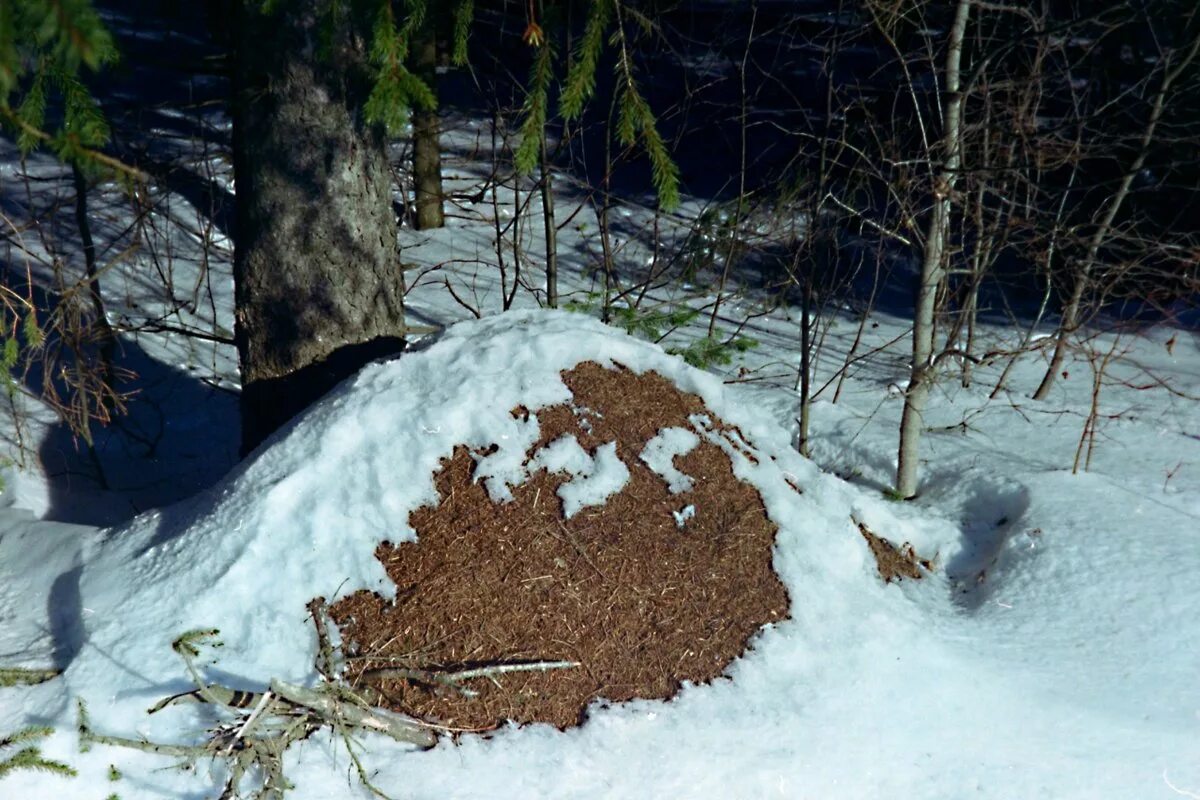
427	153
933	268
549	225
103	333
319	289
805	419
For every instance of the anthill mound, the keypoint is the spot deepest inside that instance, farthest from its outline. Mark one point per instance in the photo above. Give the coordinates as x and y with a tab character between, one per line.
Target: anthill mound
635	591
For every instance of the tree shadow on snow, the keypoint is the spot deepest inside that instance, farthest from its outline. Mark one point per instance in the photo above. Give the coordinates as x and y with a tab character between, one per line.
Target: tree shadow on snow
65	614
994	540
179	435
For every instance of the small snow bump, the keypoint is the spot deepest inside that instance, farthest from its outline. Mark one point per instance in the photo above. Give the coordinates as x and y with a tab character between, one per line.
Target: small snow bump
683	515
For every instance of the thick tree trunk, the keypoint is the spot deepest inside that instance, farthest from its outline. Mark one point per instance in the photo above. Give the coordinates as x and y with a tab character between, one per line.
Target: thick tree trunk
318	283
427	153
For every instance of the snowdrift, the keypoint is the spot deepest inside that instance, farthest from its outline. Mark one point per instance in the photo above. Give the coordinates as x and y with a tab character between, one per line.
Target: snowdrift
864	688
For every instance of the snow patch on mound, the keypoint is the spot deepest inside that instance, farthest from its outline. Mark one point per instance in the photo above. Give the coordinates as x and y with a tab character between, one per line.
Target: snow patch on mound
660	452
593	479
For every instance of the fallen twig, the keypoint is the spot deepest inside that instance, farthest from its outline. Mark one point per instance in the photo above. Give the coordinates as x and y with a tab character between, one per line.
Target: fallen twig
455	679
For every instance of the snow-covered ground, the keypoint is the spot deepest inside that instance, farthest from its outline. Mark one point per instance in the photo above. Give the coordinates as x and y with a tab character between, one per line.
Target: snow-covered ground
1052	653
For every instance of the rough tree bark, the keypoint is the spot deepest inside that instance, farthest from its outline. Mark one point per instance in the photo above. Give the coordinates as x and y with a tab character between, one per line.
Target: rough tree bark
318	284
933	268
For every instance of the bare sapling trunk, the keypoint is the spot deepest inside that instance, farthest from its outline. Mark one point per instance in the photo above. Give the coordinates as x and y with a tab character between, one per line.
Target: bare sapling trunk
602	220
426	124
1047	261
1087	438
990	238
815	203
518	213
805	420
1072	311
933	267
103	336
499	143
549	223
970	312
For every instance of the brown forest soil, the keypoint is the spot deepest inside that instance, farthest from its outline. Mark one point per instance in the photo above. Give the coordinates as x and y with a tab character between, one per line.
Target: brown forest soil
640	603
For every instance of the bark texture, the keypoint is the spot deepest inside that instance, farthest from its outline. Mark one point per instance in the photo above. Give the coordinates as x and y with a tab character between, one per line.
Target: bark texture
319	287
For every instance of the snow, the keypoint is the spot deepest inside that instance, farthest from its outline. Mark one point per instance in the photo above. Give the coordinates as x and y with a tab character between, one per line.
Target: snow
683	515
1051	653
660	452
594	479
1066	675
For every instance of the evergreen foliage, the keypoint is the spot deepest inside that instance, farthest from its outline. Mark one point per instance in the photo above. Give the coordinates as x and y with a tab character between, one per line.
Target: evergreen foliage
30	756
581	76
44	47
709	351
44	44
396	89
19	676
537	100
656	325
464	13
636	122
390	27
652	325
65	33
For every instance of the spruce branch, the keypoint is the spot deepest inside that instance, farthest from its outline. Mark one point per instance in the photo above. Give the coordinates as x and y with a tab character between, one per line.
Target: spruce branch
20	676
396	89
30	757
464	14
528	154
581	76
85	154
636	121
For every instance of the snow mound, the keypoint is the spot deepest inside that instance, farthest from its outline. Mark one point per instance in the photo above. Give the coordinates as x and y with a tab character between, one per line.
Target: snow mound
302	518
1062	680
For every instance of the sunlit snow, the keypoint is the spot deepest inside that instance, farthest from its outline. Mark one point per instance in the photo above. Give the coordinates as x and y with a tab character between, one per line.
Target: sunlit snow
1070	674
